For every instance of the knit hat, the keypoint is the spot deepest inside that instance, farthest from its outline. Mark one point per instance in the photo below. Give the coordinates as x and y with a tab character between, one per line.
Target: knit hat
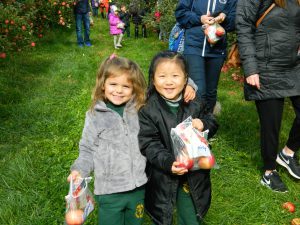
114	8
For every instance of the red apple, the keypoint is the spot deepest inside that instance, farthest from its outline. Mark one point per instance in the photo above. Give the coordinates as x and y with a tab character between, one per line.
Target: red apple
74	217
220	31
289	206
6	21
185	162
63	3
59	12
2	55
12	22
206	162
23	27
32	44
40	35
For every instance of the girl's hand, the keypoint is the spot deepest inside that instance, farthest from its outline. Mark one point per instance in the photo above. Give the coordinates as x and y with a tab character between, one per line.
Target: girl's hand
253	80
189	93
207	19
197	123
220	18
178	170
74	175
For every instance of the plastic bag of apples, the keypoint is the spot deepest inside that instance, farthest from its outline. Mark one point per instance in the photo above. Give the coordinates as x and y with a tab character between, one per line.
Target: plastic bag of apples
213	32
79	202
191	147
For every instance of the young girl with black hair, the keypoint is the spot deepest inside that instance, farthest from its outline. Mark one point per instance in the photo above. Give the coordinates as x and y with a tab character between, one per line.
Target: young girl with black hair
169	185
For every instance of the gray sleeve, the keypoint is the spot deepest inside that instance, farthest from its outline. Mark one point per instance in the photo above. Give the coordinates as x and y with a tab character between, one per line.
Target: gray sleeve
192	84
87	145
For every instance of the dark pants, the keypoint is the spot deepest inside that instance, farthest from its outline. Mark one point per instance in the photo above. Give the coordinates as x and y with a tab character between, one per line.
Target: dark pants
95	11
205	72
85	20
127	30
270	116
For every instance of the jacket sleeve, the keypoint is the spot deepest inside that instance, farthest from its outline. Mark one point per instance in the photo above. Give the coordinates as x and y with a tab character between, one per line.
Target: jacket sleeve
230	11
246	15
113	21
84	163
185	15
151	145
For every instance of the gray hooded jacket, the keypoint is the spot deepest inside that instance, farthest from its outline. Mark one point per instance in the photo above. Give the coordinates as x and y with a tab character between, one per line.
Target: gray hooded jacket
109	147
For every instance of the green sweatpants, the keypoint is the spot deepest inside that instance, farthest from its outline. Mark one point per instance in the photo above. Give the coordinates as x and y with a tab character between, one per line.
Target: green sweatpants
126	208
186	212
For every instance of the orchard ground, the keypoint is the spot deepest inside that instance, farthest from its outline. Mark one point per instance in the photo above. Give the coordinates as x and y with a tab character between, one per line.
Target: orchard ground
44	94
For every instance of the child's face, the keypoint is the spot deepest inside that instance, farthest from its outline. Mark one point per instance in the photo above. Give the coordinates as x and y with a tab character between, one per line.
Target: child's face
169	79
118	89
123	8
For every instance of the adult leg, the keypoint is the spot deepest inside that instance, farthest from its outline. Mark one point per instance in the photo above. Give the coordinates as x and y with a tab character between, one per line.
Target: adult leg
111	209
128	30
286	157
270	115
293	141
86	24
196	69
213	70
78	20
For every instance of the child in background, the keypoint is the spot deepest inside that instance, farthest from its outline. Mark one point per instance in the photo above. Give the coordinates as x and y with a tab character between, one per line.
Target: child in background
109	144
125	17
169	185
115	26
95	7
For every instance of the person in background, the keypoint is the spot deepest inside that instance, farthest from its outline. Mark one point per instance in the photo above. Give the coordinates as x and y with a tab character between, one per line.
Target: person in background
125	17
109	145
81	12
171	186
95	7
270	57
104	7
115	26
204	59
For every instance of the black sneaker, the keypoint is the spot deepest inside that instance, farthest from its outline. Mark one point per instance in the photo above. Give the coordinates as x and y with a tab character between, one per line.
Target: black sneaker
291	163
273	182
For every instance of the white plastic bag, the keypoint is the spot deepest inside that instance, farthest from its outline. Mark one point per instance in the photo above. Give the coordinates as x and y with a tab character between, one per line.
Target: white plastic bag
191	147
79	202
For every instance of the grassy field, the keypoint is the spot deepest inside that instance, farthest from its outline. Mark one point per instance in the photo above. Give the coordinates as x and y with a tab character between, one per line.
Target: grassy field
44	94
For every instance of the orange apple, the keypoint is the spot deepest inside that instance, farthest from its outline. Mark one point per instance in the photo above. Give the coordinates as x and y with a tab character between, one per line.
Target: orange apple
206	162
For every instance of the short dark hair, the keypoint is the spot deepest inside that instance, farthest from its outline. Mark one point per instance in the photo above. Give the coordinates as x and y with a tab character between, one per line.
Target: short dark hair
158	58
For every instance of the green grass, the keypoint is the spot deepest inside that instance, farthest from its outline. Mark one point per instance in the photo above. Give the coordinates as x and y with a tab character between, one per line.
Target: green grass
44	94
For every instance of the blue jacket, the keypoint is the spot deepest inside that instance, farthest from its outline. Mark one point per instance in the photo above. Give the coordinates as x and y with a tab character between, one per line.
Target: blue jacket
188	14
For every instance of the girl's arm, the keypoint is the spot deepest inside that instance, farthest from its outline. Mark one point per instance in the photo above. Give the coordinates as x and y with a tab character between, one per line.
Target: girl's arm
151	145
84	164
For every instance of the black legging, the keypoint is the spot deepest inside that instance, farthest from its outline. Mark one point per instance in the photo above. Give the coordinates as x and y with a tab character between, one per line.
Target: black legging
270	116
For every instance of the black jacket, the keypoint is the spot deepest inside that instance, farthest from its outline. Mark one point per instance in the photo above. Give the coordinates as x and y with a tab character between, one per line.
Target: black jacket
271	49
156	121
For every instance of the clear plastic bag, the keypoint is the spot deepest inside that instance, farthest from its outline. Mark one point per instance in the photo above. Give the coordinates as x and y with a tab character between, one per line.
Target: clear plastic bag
191	147
213	32
79	202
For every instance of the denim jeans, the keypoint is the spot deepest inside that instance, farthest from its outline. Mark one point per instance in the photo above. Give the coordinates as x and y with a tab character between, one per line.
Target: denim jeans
205	72
85	20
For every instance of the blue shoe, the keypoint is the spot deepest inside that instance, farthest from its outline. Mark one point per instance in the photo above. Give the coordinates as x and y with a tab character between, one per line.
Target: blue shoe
88	44
80	45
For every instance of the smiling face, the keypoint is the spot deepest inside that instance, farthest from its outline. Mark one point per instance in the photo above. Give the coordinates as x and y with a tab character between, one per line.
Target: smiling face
169	79
118	89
